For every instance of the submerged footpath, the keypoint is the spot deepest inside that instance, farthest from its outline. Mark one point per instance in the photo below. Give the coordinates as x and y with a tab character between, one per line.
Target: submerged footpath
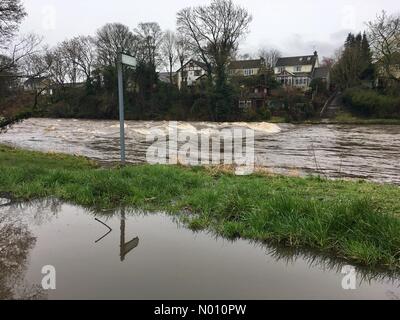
352	220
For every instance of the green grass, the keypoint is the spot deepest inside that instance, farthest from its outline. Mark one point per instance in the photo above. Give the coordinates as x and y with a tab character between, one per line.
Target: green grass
355	221
348	118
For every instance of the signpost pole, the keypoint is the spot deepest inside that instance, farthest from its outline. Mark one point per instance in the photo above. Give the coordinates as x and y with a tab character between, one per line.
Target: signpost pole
121	108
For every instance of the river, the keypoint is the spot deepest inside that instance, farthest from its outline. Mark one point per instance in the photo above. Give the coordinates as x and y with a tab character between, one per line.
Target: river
369	152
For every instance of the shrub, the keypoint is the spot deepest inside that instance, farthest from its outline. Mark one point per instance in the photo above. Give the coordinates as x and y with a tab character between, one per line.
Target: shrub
367	102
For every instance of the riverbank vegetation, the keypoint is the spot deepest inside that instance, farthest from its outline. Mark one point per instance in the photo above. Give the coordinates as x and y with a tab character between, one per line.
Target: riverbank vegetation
356	221
370	103
368	70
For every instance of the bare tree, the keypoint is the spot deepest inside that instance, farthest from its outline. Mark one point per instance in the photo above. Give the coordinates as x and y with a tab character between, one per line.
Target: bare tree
61	70
384	35
150	38
169	52
328	62
112	38
81	53
37	67
19	50
182	50
270	56
12	13
214	32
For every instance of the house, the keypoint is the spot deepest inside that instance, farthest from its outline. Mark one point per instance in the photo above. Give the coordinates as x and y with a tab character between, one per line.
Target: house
41	85
194	70
296	72
253	97
322	73
165	77
387	75
246	68
191	73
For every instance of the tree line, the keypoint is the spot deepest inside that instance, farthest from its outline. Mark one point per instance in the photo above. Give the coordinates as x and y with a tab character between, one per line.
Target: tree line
83	69
209	33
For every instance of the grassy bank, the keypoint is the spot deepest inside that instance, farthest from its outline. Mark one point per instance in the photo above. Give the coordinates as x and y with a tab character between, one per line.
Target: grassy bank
357	221
343	118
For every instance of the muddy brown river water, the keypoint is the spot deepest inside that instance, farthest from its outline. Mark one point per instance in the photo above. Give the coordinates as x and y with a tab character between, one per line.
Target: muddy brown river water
347	151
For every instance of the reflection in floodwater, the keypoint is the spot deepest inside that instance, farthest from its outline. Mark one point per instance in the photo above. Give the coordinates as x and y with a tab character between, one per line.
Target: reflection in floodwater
172	262
15	243
125	247
105	235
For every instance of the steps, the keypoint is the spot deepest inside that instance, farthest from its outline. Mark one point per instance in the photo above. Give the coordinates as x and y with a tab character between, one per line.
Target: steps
333	106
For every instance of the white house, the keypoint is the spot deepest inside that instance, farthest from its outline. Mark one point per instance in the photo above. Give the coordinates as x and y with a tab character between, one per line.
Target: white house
296	71
190	73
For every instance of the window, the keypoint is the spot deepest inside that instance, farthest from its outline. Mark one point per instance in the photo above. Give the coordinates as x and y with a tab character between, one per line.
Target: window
248	72
243	104
297	68
197	73
281	69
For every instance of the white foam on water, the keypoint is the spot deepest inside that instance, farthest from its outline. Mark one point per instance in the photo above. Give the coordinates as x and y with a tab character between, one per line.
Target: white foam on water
117	126
4	201
265	127
51	128
209	132
184	126
142	131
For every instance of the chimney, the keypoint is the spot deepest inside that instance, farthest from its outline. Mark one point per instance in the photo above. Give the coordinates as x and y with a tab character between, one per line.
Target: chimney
316	53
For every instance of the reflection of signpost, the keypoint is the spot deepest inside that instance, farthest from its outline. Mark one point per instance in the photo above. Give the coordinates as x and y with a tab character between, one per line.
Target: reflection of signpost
123	59
127	247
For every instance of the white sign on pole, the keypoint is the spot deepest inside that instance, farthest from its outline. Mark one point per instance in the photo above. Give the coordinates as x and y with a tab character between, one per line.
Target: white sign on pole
128	60
123	59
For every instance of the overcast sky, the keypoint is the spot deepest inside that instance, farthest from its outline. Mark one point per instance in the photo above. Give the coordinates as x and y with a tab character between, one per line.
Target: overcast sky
295	27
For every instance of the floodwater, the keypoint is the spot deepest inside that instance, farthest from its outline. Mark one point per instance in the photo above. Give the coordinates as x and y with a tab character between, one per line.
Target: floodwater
129	255
369	152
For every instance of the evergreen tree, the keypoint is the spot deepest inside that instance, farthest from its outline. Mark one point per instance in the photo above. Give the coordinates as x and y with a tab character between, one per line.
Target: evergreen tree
355	64
366	55
349	41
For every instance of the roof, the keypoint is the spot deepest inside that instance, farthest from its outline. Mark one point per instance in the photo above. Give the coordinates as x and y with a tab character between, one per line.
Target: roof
321	72
291	74
164	76
246	64
297	61
32	81
198	63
